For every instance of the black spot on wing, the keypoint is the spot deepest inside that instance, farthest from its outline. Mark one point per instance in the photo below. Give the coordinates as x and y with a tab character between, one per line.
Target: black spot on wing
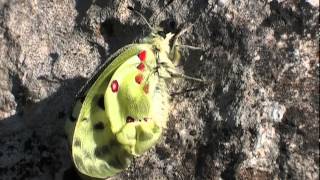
129	119
101	102
117	163
101	151
77	143
98	126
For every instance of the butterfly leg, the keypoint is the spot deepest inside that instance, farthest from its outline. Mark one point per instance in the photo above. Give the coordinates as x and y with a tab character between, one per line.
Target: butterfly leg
180	75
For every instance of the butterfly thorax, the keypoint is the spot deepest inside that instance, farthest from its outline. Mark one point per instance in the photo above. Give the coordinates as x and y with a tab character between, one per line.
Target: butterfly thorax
161	50
159	42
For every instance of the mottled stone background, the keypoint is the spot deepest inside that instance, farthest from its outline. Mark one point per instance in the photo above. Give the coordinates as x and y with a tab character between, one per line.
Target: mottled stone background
258	118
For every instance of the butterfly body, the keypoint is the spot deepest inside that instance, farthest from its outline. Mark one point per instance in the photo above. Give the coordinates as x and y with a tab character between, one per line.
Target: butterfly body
124	111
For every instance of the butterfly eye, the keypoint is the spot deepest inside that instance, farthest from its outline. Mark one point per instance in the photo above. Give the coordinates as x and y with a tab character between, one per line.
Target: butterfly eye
129	119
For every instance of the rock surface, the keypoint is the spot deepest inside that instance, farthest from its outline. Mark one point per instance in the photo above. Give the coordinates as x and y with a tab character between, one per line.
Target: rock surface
258	118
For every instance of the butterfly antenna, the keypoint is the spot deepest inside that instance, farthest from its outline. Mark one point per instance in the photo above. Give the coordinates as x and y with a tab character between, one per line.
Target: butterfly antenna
182	31
143	18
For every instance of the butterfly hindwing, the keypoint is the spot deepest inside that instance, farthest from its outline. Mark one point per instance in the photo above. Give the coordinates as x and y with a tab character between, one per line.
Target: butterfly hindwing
131	92
94	148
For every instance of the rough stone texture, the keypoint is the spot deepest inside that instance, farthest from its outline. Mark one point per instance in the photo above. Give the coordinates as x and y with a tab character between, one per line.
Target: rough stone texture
258	118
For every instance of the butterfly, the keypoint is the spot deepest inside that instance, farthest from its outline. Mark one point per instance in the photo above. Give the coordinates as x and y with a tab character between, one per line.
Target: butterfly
123	110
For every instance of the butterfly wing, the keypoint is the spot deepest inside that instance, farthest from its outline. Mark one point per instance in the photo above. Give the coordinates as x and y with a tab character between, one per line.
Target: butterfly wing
94	148
122	114
134	94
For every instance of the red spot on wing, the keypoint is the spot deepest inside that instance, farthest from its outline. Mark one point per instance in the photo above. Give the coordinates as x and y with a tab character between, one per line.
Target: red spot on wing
141	66
139	78
146	88
114	86
129	119
142	55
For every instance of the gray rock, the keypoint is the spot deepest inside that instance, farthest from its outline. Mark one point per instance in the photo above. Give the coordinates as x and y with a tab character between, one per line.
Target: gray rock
258	118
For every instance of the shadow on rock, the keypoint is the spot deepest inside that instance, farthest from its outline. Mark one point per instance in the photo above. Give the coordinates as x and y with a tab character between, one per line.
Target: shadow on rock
118	34
33	142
